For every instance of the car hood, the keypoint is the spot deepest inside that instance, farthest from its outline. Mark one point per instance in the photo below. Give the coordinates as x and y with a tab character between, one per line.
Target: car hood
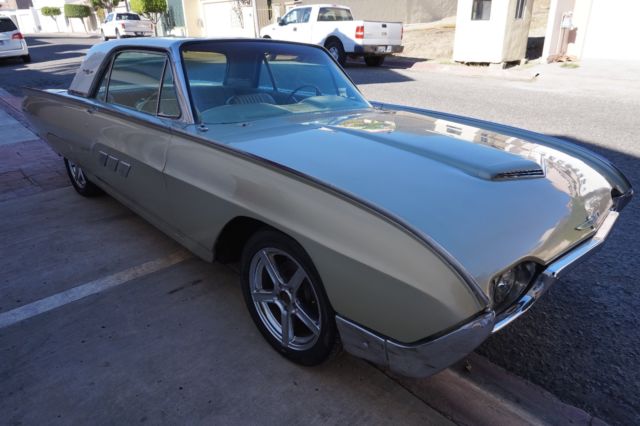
488	199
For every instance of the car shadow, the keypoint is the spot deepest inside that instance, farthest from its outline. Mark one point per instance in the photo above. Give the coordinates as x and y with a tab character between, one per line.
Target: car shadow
363	74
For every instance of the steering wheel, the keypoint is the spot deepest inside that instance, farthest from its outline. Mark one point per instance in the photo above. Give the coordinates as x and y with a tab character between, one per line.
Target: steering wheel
292	96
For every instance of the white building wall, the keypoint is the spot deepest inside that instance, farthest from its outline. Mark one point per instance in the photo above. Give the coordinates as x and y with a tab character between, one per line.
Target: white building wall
613	31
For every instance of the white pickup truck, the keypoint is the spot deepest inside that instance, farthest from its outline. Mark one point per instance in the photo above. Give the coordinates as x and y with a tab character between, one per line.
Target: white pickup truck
127	24
333	27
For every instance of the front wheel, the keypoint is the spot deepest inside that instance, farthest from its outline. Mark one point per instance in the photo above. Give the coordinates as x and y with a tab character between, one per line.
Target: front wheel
286	299
80	183
374	61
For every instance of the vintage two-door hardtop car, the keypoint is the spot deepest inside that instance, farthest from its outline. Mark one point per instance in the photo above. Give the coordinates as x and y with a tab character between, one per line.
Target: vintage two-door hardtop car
407	236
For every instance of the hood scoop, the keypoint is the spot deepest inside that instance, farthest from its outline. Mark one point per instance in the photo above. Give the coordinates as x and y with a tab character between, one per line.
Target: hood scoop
520	174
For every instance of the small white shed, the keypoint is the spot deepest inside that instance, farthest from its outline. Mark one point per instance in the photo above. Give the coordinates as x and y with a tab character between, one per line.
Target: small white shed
494	31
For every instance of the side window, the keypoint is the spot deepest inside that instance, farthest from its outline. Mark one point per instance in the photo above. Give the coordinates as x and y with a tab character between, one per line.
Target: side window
521	5
168	106
101	95
481	10
306	14
135	80
298	16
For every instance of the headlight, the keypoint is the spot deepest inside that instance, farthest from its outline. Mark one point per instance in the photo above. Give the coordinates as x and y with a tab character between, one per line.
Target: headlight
510	285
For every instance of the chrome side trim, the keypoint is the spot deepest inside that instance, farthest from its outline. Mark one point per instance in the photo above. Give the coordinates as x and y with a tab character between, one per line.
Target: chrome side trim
419	360
554	271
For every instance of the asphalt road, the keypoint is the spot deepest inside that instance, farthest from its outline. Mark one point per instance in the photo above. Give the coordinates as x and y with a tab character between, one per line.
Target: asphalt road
582	341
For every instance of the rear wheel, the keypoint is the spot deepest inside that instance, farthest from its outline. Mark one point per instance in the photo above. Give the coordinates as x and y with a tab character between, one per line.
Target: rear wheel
336	49
286	299
26	58
81	184
374	61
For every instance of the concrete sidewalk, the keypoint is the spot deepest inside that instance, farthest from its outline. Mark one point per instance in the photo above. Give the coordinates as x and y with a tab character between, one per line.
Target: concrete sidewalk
28	165
474	392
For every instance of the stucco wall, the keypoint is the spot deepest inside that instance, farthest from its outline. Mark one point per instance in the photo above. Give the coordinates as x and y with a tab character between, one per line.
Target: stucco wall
613	31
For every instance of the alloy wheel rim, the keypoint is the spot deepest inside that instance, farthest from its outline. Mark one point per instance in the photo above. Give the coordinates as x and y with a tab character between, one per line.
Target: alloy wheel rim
77	174
285	299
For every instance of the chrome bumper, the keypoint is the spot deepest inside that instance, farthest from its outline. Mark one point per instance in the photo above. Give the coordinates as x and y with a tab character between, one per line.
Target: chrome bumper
430	357
419	360
554	271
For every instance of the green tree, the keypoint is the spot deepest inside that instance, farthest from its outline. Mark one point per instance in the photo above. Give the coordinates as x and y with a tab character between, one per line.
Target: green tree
52	12
104	4
77	11
150	9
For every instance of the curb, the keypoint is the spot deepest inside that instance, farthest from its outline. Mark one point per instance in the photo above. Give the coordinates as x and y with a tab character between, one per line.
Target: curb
12	105
476	392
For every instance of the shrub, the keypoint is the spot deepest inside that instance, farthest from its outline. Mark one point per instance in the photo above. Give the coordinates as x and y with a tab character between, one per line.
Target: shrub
77	11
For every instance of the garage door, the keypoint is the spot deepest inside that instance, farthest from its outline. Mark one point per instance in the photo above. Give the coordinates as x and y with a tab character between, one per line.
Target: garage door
222	20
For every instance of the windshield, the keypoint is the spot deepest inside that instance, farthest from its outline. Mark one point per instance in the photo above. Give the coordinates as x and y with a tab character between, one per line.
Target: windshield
239	81
127	17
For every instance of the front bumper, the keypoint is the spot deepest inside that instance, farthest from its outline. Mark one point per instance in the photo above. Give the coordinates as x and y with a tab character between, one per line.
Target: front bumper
375	49
428	357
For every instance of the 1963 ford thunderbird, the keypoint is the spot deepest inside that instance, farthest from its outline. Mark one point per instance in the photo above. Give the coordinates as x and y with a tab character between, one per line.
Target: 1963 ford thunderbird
407	236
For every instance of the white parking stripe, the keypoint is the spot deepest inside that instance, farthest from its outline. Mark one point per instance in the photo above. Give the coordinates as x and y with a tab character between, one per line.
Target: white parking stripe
76	293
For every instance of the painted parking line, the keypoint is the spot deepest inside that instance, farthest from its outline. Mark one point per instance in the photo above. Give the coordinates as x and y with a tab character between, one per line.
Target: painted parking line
92	287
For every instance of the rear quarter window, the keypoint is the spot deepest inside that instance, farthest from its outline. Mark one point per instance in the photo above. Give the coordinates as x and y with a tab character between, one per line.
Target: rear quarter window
6	25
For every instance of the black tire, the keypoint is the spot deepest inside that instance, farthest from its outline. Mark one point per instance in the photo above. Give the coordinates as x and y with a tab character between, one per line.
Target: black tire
307	299
80	182
336	50
267	37
374	61
26	58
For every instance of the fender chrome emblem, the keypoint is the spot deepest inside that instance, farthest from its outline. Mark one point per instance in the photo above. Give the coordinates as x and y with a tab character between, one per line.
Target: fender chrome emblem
590	223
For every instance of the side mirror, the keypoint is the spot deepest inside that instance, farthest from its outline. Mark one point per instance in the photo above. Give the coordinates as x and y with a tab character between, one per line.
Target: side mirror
280	21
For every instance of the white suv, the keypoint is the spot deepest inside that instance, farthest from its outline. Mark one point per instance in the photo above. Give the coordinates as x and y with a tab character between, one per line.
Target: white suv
12	43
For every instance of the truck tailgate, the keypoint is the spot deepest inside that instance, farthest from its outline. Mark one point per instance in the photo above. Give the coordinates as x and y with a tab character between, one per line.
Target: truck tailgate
382	33
142	26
